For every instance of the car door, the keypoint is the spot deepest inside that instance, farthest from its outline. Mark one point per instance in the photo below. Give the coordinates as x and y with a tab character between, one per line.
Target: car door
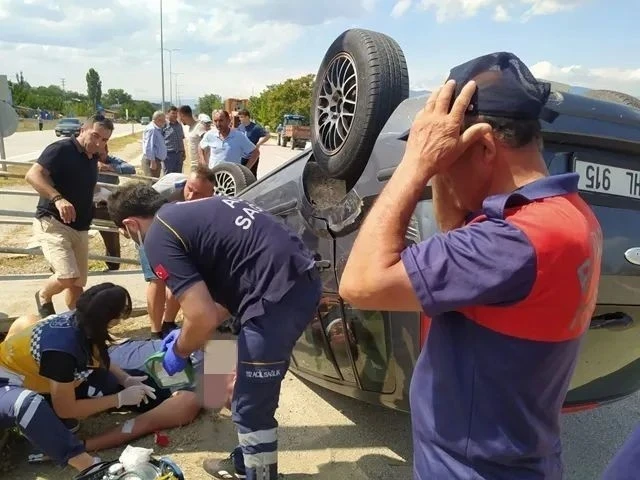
609	365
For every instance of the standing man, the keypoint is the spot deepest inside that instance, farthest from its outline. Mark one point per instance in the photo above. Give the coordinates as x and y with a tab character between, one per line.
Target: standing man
174	140
510	288
196	132
109	164
154	150
65	176
254	132
220	257
223	144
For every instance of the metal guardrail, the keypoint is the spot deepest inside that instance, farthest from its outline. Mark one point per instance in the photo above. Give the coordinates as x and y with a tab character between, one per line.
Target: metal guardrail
38	251
111	174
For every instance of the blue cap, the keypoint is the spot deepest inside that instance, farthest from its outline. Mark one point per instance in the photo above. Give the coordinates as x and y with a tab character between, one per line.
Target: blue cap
505	88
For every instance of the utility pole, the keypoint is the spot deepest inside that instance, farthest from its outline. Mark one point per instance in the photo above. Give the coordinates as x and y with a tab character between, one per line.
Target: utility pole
63	96
176	80
171	50
162	55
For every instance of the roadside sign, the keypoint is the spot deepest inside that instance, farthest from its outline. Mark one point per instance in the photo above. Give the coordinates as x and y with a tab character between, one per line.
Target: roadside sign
5	92
8	120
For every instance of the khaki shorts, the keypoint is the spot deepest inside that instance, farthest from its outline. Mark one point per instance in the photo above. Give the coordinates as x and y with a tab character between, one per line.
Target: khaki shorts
66	249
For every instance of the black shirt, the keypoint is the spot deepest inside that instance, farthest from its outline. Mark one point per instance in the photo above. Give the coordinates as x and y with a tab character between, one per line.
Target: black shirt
74	175
245	256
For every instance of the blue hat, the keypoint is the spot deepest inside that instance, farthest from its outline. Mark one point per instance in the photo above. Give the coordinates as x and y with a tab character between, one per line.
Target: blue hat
506	88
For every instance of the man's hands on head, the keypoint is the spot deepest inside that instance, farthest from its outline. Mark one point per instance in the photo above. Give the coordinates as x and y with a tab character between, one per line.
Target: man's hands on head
435	139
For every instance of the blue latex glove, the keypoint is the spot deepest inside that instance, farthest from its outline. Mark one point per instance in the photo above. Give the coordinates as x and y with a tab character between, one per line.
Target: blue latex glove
172	362
170	338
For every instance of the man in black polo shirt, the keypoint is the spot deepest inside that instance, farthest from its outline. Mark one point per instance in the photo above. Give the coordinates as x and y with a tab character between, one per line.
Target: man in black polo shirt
224	256
65	176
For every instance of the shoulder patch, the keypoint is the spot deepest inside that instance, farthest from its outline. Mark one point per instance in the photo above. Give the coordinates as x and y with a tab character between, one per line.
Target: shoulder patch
162	272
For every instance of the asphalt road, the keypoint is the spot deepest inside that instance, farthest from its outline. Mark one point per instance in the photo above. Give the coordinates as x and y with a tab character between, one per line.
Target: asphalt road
341	438
25	146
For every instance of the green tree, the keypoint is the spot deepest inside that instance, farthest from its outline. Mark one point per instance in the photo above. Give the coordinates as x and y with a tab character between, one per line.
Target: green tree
94	87
115	96
210	102
291	96
19	90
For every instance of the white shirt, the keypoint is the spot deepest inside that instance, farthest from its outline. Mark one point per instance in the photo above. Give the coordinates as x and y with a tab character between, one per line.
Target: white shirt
196	131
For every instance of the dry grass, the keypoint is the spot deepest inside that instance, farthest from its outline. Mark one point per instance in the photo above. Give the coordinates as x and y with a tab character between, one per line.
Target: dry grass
31	125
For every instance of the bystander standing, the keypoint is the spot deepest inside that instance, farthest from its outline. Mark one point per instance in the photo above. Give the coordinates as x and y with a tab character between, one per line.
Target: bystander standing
197	129
109	164
224	144
254	132
65	176
510	284
174	141
154	150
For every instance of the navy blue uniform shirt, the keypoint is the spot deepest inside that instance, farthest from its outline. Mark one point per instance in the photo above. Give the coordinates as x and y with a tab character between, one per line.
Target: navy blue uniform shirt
244	255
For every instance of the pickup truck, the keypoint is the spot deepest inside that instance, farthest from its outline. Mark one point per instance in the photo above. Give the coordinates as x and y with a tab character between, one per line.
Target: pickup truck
293	129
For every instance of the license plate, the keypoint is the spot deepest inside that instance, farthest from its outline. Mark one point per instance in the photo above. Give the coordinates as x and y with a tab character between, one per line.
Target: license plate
595	177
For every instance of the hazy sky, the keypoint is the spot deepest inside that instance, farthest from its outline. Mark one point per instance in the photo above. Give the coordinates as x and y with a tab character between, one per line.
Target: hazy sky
237	47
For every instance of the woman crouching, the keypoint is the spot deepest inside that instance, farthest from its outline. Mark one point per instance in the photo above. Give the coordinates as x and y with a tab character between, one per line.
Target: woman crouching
44	370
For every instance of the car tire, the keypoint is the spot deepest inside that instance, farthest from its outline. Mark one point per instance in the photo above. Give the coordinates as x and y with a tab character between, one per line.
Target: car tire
232	178
361	81
613	96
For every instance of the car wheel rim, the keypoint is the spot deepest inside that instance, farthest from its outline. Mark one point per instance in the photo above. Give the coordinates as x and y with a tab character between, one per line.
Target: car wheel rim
225	184
336	104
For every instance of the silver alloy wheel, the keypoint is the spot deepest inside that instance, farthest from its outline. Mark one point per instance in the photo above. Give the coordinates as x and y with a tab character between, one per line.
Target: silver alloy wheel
225	184
336	103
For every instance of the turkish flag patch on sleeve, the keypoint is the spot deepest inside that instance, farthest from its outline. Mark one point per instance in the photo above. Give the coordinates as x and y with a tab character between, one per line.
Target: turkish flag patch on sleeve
161	272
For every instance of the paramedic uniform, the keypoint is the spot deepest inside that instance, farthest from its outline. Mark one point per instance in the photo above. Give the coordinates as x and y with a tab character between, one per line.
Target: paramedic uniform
261	272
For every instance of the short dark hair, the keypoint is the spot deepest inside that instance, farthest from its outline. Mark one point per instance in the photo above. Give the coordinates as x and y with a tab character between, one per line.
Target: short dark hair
205	173
101	120
224	113
185	110
514	133
245	113
134	199
173	108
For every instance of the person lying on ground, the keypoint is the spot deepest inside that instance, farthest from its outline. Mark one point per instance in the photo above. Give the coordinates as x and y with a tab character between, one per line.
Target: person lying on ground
171	408
54	358
161	305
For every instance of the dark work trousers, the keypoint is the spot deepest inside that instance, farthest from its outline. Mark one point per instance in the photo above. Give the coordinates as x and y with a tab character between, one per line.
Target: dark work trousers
265	344
36	420
111	239
253	169
173	163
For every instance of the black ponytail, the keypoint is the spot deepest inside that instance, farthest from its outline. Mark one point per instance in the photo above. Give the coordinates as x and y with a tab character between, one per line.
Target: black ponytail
96	308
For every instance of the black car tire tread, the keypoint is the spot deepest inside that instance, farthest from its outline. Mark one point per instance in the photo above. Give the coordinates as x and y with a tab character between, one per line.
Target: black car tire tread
383	83
242	176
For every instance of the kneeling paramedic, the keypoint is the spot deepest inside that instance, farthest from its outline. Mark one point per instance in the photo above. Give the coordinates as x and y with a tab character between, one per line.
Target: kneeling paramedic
510	288
222	256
